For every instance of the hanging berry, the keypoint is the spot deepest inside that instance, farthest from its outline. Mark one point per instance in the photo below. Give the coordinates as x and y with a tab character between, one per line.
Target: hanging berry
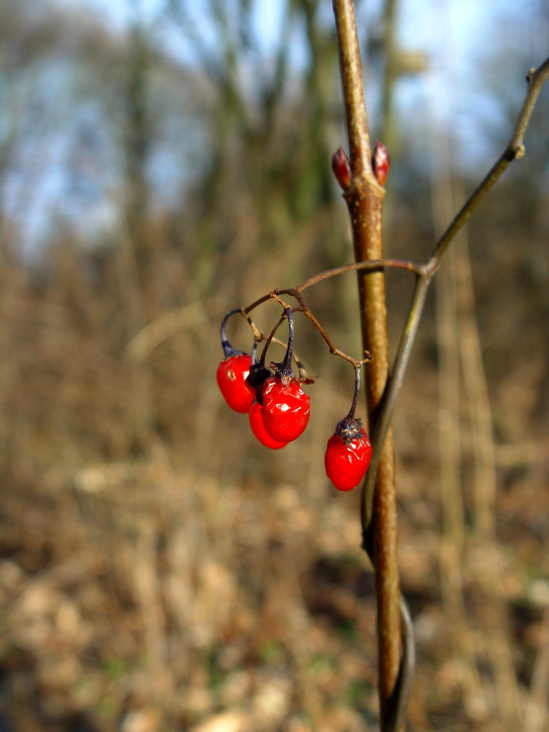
232	373
349	450
258	428
285	406
231	378
347	457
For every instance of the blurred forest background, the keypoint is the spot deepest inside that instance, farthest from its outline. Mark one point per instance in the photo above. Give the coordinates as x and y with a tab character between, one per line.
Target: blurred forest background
163	162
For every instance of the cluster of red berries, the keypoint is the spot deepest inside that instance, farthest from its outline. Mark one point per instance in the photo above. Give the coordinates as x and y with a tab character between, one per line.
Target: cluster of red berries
279	410
278	407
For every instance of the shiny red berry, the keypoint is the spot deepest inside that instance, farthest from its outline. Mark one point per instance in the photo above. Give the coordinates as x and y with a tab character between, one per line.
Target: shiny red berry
231	378
347	458
286	408
258	428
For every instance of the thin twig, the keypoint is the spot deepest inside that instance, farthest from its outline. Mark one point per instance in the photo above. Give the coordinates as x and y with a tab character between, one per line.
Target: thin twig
270	338
536	80
390	396
259	336
333	350
515	150
375	265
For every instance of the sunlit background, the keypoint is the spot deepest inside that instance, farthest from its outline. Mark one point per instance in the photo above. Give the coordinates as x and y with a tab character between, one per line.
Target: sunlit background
165	161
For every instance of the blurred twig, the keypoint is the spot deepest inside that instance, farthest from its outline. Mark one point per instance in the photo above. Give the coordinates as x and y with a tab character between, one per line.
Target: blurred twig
536	709
514	151
450	441
190	315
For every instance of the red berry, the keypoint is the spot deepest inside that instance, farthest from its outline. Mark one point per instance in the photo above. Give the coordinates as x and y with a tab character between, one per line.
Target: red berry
258	428
286	408
231	378
347	459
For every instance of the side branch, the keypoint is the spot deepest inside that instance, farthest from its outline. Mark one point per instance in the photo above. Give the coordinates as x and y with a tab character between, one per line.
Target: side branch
536	79
373	265
394	385
514	151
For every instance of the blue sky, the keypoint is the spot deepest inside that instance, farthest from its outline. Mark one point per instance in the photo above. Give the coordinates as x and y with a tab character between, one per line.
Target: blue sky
455	34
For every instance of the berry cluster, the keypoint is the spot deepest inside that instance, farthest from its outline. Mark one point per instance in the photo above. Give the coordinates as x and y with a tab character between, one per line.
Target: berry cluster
279	409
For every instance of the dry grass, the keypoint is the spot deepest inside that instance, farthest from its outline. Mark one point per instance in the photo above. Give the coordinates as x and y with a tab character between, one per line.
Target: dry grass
159	570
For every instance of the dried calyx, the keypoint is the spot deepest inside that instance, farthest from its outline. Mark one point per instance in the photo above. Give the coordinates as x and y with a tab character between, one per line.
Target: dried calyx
350	427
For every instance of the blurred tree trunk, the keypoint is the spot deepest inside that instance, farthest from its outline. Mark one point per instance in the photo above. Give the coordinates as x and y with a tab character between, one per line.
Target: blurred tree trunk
137	137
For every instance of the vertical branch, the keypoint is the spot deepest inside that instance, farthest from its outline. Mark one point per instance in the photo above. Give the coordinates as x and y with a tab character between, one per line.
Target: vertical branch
137	133
364	199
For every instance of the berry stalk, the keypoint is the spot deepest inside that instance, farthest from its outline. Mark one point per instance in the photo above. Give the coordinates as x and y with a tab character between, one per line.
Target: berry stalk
350	418
286	365
228	350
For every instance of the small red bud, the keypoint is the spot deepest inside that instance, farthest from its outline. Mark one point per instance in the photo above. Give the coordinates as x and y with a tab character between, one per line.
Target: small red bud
341	168
381	162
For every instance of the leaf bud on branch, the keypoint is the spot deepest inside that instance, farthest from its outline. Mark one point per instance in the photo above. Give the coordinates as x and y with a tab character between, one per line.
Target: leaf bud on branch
342	168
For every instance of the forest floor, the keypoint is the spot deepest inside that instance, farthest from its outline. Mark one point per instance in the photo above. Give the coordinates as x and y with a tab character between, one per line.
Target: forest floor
150	595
